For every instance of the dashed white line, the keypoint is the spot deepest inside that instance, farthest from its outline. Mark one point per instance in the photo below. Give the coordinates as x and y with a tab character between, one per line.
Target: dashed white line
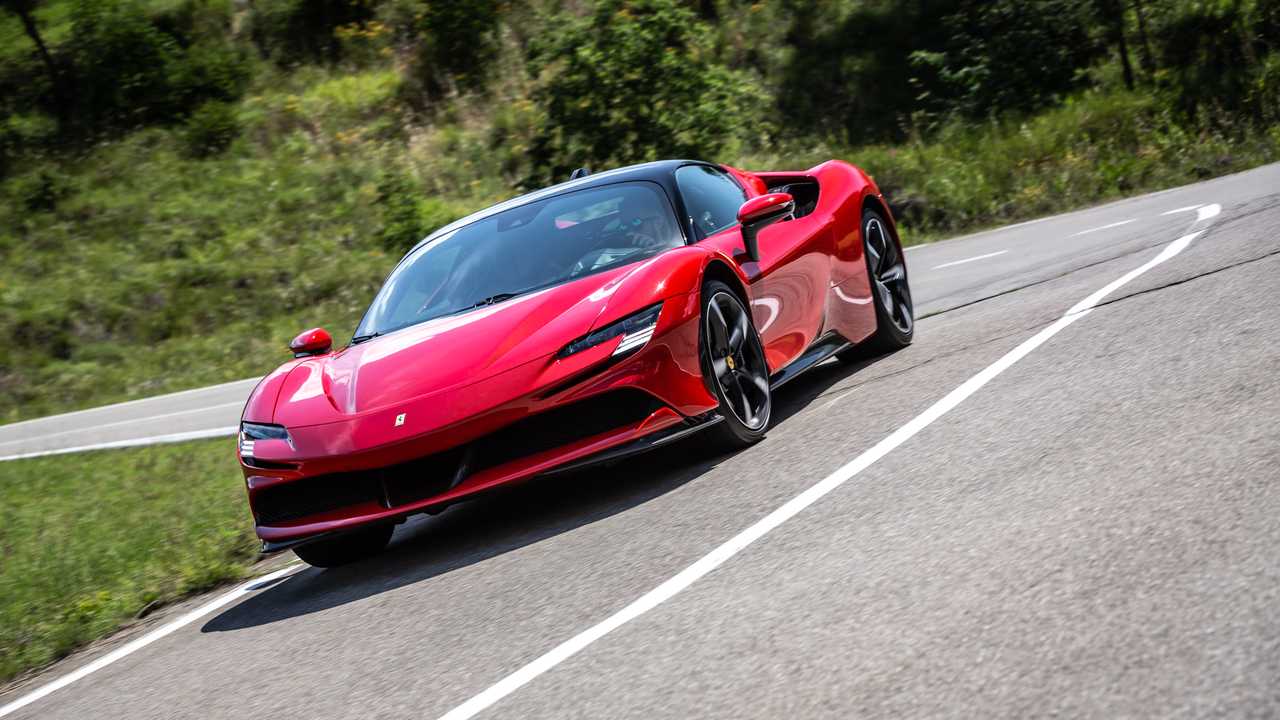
969	260
1104	227
791	508
136	645
134	442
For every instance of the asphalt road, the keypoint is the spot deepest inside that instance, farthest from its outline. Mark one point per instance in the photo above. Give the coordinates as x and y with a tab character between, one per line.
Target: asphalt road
1095	531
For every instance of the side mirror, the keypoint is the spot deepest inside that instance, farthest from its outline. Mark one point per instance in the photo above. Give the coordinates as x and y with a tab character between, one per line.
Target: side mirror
759	213
315	341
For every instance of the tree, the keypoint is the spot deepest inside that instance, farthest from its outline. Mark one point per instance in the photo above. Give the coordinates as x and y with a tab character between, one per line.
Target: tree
633	81
25	10
1146	57
1112	12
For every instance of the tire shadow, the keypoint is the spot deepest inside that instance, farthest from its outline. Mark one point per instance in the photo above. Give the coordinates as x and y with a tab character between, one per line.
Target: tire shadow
507	519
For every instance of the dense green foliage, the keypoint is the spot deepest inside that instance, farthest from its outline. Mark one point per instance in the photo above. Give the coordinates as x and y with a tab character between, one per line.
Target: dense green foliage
619	88
186	183
90	540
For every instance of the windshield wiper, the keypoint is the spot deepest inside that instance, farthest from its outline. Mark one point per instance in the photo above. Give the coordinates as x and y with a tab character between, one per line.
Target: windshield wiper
495	299
361	338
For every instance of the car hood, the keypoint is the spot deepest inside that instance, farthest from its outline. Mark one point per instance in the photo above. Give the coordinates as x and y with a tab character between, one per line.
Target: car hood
441	354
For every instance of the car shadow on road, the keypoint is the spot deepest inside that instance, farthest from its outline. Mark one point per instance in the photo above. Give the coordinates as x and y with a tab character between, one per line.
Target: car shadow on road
507	519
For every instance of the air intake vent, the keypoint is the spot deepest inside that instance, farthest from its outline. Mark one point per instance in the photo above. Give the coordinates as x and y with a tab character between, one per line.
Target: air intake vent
418	480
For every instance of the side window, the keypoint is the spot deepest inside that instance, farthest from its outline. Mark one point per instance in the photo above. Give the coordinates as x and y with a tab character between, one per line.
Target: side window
711	197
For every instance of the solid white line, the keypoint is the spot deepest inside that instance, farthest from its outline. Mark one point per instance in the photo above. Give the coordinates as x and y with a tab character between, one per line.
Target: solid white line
1188	208
969	260
127	403
1104	227
134	442
791	508
136	645
133	421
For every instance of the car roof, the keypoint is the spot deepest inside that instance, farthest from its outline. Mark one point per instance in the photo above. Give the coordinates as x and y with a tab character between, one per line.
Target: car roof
658	171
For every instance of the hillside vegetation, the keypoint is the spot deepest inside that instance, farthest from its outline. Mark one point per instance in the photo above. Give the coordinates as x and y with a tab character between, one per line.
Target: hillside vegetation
184	184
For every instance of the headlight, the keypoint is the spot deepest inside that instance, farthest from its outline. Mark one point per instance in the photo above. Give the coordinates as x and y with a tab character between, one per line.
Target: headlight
249	432
635	330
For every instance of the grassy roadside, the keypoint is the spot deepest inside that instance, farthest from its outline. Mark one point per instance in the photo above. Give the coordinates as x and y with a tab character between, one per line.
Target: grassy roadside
89	540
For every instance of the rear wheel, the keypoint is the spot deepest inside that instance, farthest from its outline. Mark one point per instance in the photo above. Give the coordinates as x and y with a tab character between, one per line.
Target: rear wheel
733	363
895	323
347	547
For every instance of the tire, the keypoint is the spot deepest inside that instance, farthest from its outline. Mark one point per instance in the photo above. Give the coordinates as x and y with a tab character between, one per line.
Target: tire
733	364
347	547
890	291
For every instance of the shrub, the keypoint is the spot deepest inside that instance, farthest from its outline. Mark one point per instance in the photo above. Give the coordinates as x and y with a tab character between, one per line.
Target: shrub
129	72
291	31
635	81
122	63
455	44
210	129
407	216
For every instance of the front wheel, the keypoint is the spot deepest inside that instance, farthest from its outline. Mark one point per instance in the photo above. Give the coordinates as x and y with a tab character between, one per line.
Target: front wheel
733	362
347	547
890	292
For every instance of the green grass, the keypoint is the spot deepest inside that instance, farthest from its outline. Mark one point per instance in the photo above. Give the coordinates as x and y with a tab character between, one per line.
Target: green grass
88	540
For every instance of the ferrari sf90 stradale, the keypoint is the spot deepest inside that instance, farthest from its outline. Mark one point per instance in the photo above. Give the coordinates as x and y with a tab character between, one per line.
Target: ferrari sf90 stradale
601	317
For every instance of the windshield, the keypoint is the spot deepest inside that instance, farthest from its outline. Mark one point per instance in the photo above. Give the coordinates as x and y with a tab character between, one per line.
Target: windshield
526	248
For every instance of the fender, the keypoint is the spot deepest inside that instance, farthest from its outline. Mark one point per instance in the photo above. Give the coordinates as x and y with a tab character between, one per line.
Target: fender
261	407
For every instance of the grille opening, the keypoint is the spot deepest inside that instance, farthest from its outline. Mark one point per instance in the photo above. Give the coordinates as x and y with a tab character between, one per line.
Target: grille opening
425	477
563	425
420	479
313	496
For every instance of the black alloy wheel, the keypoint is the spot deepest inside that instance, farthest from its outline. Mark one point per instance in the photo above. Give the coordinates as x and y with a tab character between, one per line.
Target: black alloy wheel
733	359
887	271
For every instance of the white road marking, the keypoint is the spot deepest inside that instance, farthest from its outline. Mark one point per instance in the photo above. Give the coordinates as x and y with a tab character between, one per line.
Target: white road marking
136	645
134	442
129	403
1104	227
969	260
791	508
1188	208
132	421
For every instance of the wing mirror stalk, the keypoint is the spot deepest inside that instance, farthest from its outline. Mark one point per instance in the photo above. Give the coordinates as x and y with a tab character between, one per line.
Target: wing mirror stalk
759	213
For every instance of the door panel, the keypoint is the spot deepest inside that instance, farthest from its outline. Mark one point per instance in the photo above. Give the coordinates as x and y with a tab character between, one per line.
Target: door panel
789	285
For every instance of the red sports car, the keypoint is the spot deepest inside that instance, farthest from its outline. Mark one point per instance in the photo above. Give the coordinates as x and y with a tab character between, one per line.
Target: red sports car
601	317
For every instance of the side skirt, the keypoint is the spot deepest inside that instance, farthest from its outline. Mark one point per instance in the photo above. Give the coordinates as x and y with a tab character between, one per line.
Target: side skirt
821	349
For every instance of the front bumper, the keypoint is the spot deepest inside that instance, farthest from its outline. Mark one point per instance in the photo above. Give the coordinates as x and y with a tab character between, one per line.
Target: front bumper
613	410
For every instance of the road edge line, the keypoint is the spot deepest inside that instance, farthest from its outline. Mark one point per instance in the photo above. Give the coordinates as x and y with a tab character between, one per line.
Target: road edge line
135	645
